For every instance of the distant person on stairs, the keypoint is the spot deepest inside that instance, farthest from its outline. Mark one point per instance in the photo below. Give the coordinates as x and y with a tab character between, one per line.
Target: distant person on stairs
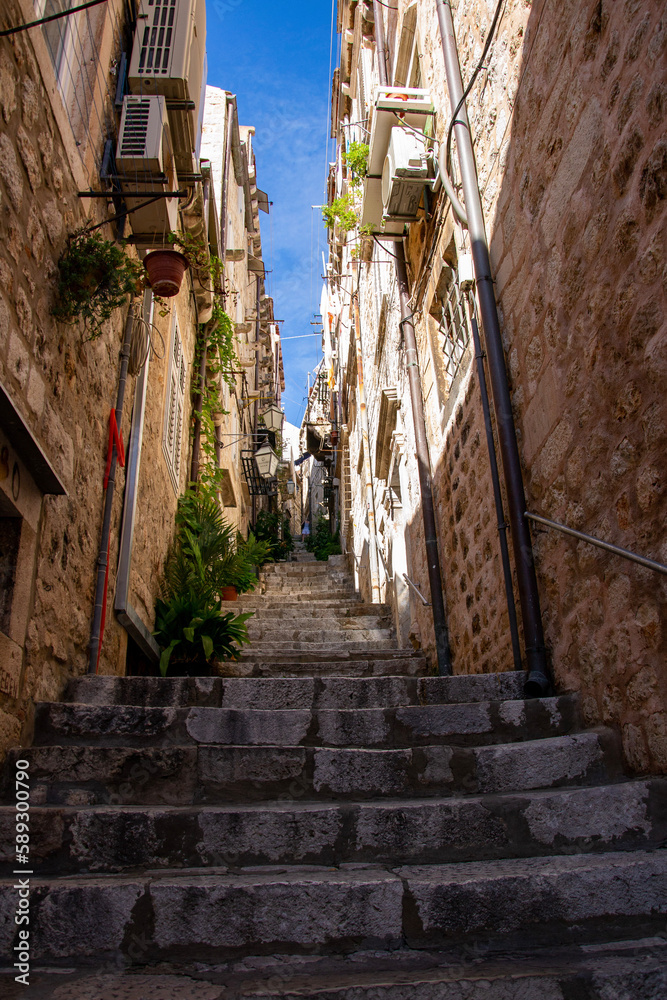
305	531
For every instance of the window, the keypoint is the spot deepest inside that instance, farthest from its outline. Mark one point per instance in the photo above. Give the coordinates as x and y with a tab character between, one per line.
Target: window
58	34
174	407
449	333
407	72
453	327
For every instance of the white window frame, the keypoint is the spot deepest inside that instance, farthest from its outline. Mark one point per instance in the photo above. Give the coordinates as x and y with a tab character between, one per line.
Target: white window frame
61	67
174	406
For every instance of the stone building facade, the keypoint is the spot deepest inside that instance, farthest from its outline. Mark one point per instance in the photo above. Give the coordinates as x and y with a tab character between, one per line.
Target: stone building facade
568	124
58	386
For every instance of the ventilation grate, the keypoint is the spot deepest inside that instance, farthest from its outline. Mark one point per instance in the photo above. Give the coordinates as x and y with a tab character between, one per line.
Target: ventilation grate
135	129
158	35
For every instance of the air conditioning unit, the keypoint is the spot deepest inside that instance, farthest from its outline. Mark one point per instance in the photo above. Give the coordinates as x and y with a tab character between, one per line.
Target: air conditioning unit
404	108
144	164
405	172
169	59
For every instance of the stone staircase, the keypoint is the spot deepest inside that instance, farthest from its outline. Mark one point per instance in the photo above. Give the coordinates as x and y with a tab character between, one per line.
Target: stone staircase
328	821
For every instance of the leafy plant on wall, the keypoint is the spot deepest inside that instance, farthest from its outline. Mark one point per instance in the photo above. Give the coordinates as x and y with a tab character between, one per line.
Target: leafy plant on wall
96	276
343	211
356	158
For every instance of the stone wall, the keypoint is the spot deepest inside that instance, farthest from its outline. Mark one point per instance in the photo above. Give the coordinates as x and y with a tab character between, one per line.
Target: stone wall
64	385
579	238
569	125
568	120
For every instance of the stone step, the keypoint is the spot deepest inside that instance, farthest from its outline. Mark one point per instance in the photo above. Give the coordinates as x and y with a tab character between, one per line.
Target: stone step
619	970
263	635
326	589
215	774
466	724
268	647
294	692
318	623
323	599
626	816
316	664
334	612
315	575
187	918
301	581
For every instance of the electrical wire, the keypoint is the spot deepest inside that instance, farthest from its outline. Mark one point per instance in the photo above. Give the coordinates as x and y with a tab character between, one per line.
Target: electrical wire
471	83
51	17
384	248
525	59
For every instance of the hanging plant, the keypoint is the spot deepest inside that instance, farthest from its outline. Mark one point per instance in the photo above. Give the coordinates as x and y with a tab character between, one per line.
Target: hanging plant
165	270
356	158
340	213
96	277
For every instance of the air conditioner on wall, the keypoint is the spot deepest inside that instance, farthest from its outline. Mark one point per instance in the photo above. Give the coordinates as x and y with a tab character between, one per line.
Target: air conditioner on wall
404	174
404	108
145	163
169	59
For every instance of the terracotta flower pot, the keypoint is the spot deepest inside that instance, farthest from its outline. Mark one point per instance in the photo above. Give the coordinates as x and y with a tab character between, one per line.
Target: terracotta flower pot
228	594
165	269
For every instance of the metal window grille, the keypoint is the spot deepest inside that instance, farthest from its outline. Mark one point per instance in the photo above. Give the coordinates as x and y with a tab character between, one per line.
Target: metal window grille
454	329
257	485
174	409
323	388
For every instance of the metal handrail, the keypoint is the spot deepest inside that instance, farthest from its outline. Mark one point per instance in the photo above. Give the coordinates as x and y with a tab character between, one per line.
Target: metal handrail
418	592
390	579
615	549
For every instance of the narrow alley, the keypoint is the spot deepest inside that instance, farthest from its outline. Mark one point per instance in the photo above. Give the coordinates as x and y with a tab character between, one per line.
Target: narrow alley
333	561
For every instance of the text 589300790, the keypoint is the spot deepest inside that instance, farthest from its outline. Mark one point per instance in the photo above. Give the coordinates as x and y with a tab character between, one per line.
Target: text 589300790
22	885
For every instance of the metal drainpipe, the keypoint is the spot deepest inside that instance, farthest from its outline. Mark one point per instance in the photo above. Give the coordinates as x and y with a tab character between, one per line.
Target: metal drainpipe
103	556
538	681
497	495
126	614
370	503
256	406
423	460
424	467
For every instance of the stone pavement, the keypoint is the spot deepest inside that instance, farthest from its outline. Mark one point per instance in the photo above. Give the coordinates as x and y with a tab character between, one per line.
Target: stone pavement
330	821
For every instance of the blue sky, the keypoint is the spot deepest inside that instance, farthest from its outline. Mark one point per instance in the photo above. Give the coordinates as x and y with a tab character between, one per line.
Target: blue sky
275	58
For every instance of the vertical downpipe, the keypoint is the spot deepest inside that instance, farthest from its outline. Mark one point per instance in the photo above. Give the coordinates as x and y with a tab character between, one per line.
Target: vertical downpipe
424	467
537	682
423	460
103	556
368	475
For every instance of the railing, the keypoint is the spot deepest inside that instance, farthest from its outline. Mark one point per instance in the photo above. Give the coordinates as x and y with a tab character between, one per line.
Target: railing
390	578
427	604
615	549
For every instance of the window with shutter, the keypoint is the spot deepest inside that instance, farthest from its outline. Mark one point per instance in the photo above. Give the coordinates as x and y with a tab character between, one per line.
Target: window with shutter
174	407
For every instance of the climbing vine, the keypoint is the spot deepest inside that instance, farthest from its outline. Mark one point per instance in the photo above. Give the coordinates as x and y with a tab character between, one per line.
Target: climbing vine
218	339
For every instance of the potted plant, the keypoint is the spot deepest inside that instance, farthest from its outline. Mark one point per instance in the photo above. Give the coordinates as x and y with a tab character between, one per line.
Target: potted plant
95	277
190	624
242	575
165	270
195	632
